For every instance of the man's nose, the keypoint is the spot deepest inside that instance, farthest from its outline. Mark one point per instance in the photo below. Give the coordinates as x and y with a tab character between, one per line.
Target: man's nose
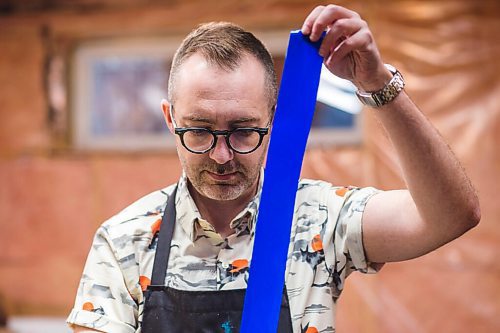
221	153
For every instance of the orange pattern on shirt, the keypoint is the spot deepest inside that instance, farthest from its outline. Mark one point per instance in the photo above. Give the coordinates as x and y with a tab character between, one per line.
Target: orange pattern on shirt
341	191
88	306
316	243
144	281
155	227
238	265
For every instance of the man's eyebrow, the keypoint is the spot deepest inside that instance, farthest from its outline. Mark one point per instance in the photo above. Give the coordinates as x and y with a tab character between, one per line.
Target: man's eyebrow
198	119
243	120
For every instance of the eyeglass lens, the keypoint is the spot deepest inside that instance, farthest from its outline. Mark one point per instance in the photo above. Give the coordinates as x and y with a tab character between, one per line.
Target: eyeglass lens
241	140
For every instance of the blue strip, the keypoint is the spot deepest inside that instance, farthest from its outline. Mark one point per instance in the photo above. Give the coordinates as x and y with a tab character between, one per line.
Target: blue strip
295	110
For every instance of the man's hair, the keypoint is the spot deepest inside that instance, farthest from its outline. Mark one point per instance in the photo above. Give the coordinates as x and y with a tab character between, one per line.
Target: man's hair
224	44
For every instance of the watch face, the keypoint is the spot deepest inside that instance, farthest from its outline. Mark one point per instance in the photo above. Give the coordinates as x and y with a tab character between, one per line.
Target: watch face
366	99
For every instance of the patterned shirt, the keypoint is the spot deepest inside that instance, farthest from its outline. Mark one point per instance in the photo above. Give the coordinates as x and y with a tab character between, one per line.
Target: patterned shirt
325	247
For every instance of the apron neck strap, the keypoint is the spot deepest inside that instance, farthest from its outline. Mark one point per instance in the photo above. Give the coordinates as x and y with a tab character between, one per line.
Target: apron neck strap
164	239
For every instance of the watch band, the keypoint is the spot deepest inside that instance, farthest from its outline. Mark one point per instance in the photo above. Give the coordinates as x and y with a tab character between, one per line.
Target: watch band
387	93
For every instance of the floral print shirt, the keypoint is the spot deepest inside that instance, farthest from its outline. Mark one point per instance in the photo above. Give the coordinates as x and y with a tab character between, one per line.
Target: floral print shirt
325	247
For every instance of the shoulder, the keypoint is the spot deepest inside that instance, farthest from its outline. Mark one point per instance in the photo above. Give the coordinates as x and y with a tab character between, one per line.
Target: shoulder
314	193
317	192
138	215
312	187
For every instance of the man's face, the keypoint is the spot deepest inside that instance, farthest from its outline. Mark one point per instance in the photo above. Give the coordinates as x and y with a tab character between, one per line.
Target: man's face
210	97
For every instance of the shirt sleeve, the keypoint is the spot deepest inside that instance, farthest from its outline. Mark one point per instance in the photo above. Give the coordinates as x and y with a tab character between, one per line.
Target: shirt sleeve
103	301
349	229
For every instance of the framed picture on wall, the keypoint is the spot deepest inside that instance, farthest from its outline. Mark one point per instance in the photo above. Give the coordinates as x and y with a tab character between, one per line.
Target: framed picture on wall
117	90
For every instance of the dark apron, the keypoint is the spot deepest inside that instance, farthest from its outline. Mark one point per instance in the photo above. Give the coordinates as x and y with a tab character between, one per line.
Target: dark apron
179	311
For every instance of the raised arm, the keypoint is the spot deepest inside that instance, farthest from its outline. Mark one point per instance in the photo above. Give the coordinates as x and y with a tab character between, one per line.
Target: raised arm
440	203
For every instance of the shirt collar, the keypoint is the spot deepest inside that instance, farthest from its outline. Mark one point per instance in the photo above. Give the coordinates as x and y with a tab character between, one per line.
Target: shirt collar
188	215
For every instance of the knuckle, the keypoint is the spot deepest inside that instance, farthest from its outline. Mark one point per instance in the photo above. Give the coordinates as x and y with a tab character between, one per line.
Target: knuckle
331	7
340	24
368	37
319	8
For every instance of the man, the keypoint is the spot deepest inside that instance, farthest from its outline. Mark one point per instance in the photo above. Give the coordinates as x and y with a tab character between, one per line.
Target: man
222	93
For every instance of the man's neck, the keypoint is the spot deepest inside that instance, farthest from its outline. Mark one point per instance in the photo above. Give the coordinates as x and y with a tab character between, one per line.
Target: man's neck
220	213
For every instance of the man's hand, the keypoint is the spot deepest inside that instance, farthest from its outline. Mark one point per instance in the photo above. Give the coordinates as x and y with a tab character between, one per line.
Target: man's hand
349	49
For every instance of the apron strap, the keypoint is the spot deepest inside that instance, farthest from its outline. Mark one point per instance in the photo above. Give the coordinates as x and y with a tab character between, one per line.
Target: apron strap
295	110
164	239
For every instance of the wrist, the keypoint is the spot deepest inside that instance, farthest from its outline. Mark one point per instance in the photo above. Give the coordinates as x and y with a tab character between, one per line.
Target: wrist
376	82
390	89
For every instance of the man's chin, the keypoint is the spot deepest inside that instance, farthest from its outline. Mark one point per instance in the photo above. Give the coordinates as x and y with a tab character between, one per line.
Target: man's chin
221	192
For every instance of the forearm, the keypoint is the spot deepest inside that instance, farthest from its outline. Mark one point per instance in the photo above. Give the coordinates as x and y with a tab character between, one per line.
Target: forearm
441	190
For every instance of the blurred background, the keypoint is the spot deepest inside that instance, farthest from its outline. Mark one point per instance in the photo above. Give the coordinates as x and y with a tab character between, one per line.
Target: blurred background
82	136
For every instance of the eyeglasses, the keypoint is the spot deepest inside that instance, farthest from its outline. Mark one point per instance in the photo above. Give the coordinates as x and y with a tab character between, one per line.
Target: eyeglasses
199	140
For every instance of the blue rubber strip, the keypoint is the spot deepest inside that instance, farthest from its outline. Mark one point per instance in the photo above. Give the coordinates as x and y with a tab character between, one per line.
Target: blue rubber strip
292	122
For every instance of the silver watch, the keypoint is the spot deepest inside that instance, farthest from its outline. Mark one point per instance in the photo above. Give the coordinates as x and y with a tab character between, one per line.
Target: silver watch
387	93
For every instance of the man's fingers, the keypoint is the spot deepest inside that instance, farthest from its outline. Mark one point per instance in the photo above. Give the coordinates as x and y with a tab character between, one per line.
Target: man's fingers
346	28
339	31
309	21
355	42
324	17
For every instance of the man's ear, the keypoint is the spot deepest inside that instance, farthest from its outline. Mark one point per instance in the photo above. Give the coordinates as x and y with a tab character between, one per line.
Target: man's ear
165	107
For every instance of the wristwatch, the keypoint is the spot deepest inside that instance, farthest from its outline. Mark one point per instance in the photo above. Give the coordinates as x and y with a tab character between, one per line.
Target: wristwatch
387	93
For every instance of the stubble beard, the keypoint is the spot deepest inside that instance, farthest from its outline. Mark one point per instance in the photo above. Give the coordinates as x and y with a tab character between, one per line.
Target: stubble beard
245	178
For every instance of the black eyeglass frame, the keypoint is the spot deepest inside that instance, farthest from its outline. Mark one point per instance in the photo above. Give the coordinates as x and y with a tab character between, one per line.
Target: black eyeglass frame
180	131
262	131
